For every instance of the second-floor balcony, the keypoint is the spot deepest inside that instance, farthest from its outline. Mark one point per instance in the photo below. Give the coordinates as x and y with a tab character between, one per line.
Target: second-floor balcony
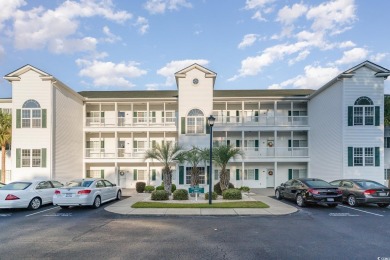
261	121
130	122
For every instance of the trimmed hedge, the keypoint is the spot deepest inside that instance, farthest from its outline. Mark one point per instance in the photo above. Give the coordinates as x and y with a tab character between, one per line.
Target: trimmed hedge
140	187
245	189
214	195
217	188
149	189
180	194
161	187
160	195
232	194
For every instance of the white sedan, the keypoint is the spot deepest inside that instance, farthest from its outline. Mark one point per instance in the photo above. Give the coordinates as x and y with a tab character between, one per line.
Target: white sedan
86	192
28	194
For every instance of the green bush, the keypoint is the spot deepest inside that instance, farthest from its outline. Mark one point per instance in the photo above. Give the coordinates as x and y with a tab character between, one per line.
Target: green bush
173	188
149	189
232	194
160	195
245	189
217	188
180	194
214	195
140	187
161	187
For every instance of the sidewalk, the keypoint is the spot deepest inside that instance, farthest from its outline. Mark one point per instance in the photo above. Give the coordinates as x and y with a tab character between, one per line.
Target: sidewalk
275	207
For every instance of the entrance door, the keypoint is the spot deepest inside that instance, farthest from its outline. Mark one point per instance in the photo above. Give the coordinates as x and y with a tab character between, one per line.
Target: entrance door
270	178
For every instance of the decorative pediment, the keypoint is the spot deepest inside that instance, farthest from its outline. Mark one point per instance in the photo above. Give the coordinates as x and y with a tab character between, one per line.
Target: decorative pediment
15	75
208	73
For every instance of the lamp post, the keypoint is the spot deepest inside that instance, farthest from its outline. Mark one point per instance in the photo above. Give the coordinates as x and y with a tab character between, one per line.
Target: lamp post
211	121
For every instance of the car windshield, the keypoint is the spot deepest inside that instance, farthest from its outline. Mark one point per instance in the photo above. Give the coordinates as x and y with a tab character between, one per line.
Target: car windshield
318	184
370	185
79	183
16	186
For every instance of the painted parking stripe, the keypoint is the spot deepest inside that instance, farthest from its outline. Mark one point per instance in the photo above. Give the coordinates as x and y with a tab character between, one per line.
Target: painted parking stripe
5	215
379	215
41	211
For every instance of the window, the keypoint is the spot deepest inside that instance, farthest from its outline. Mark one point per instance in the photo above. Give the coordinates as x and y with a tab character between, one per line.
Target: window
57	184
6	110
140	116
202	176
139	175
26	158
252	145
140	146
363	156
298	173
217	173
387	142
364	112
44	185
358	156
195	122
36	157
387	174
169	117
369	156
31	114
249	174
107	183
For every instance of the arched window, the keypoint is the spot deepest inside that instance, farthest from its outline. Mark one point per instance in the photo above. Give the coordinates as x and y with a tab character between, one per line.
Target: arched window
31	114
195	122
364	101
364	111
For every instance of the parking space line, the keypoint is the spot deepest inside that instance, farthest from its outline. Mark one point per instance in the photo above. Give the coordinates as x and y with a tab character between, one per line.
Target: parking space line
40	211
379	215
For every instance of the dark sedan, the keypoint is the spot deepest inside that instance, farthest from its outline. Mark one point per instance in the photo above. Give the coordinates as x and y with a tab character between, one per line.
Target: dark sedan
309	191
360	191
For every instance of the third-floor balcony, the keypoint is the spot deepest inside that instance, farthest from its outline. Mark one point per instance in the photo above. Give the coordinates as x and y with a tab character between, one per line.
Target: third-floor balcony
261	120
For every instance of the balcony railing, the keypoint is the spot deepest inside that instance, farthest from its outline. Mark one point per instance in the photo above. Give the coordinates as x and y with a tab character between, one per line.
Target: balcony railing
125	121
262	120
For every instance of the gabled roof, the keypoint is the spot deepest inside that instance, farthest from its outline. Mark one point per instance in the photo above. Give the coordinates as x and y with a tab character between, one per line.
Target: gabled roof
380	72
17	73
208	73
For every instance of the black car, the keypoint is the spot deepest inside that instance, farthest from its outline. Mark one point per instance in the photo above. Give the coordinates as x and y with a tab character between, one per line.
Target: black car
360	191
309	191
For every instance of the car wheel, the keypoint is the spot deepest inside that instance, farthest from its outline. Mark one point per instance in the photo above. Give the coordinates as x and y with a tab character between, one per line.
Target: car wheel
332	205
97	202
300	201
64	207
118	195
278	195
352	201
35	203
383	205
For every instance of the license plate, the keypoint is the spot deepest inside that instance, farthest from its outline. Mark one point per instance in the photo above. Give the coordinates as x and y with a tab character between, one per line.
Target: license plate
68	195
382	194
330	199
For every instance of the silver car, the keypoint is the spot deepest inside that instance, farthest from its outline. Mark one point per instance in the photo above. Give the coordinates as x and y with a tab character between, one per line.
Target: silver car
86	192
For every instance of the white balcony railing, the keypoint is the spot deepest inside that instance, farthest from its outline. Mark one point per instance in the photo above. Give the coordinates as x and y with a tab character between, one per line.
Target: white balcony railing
262	120
126	122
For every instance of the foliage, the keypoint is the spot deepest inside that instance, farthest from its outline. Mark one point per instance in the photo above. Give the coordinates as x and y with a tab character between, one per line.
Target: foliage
149	188
166	153
226	205
5	138
194	157
161	187
173	187
217	188
387	111
222	154
140	186
214	195
160	195
245	188
232	194
180	194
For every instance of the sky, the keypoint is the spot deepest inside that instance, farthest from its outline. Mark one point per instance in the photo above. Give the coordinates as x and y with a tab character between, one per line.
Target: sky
138	45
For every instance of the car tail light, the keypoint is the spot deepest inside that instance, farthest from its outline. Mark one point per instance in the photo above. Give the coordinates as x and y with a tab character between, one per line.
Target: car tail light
313	191
339	192
84	192
11	197
369	192
57	192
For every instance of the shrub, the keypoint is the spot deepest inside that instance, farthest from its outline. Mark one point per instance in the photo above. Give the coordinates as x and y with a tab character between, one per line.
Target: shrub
245	189
217	188
140	187
180	194
173	188
213	196
160	195
232	194
160	187
149	189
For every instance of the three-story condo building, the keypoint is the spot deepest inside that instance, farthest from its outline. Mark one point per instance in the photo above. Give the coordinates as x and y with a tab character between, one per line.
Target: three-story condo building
334	132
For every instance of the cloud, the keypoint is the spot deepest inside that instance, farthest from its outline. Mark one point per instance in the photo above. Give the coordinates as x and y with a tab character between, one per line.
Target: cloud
301	56
248	40
255	4
314	78
288	15
375	58
39	28
353	56
142	24
109	74
111	38
160	6
169	70
8	8
347	44
259	17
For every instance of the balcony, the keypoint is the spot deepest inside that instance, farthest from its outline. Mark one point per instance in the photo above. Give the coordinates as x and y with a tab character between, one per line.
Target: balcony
130	122
261	152
110	153
261	121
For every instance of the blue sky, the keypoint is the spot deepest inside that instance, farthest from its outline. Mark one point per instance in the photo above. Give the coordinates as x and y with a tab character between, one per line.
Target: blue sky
139	45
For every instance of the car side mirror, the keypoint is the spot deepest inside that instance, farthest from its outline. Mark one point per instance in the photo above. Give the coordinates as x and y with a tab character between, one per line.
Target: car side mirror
113	184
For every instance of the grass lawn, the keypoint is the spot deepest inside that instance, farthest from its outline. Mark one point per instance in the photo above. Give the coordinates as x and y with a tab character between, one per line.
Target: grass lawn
225	205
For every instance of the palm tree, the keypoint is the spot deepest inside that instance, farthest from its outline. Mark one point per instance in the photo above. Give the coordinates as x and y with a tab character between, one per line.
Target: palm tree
194	157
5	138
222	154
166	153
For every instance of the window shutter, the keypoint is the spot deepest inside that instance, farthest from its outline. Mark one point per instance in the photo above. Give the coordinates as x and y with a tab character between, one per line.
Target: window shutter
208	174
135	144
228	142
153	113
153	175
256	143
289	174
44	118
183	125
102	144
256	116
238	143
289	113
256	174
102	114
18	118
102	174
88	144
237	116
181	174
377	156
377	115
350	116
43	157
135	177
237	174
18	157
88	173
289	143
153	143
207	127
350	156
